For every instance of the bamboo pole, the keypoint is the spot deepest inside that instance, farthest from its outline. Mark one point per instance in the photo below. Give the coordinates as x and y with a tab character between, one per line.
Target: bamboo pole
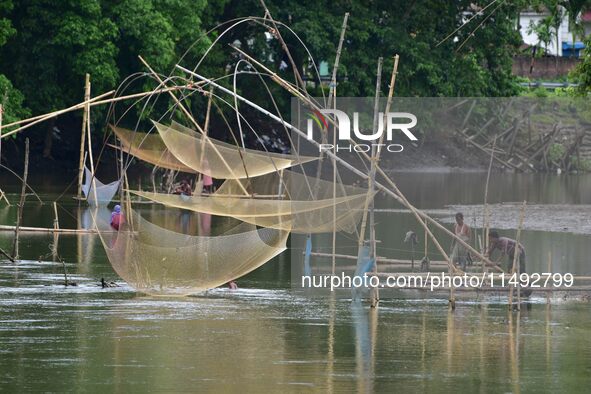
550	271
379	259
45	230
9	257
21	204
516	254
205	131
485	218
83	136
374	295
375	158
334	186
332	97
393	191
56	222
374	155
98	100
89	137
277	33
43	118
333	79
503	162
2	195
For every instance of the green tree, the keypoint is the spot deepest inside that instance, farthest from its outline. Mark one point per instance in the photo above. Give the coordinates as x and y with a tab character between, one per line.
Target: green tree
10	98
582	72
574	8
55	45
482	66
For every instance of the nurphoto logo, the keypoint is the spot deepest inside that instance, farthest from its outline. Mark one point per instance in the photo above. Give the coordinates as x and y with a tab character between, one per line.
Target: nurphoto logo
343	122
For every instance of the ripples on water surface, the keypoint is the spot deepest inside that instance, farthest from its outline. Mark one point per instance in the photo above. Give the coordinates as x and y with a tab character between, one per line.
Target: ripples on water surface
267	337
88	338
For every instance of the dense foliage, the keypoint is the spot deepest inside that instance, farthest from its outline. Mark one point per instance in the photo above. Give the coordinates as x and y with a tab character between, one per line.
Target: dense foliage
46	47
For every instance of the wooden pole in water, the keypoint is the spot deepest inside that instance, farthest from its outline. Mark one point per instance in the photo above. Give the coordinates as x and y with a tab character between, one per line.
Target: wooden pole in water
56	222
56	226
83	135
485	218
374	294
21	204
89	137
548	295
198	187
2	195
333	96
516	267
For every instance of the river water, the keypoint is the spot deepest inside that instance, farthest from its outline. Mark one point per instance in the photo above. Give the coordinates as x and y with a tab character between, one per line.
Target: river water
266	336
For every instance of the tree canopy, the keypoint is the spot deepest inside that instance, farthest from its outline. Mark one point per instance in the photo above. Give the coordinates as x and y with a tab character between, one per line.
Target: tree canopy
47	47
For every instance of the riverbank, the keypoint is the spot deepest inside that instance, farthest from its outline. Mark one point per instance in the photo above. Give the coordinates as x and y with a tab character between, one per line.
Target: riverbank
444	153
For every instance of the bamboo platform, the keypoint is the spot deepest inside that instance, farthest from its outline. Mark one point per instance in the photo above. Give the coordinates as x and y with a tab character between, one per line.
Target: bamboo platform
388	261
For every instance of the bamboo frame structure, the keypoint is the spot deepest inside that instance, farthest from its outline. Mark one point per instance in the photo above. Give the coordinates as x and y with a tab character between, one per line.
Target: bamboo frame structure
392	190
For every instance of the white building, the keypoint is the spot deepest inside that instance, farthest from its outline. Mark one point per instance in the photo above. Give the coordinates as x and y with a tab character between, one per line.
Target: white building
565	38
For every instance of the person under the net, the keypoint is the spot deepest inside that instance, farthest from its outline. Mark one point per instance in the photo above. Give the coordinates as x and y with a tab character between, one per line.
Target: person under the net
507	247
116	217
184	188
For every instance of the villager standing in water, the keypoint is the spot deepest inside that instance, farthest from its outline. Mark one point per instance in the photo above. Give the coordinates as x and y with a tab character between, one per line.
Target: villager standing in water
207	184
116	217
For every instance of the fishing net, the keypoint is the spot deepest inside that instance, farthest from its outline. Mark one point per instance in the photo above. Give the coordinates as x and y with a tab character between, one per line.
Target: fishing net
292	208
159	261
104	193
297	216
219	159
149	148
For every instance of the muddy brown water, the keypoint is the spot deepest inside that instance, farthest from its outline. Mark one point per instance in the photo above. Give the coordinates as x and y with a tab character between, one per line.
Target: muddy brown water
267	337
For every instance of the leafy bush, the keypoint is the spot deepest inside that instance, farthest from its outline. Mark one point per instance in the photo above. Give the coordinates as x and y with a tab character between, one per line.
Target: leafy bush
556	152
581	164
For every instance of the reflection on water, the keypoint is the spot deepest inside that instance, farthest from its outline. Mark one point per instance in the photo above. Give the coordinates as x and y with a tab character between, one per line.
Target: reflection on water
266	337
88	338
